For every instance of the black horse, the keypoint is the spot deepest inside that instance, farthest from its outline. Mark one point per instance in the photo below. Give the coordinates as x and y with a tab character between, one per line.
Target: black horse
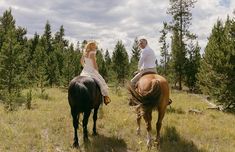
83	95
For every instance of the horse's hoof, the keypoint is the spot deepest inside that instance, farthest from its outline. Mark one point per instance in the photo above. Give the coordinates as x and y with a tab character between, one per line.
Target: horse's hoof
86	140
75	145
94	134
157	144
138	132
149	146
149	143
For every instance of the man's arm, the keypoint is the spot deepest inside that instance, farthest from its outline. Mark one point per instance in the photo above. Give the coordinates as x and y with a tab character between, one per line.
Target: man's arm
143	56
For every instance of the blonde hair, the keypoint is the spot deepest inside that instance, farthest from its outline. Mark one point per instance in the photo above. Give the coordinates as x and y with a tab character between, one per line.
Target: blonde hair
89	46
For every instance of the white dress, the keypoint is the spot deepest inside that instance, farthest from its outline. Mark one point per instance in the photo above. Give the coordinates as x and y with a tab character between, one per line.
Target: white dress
89	71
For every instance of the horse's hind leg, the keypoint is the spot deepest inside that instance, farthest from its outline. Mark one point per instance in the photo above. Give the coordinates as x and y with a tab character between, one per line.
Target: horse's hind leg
75	116
148	120
161	113
94	121
138	120
84	124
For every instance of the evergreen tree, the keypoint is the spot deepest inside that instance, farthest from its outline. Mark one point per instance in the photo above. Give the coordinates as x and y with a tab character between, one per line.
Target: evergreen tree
135	56
47	38
78	47
180	11
69	67
31	49
108	64
39	64
59	46
32	46
217	71
107	58
52	68
12	57
178	59
164	49
7	22
120	62
192	66
84	42
101	64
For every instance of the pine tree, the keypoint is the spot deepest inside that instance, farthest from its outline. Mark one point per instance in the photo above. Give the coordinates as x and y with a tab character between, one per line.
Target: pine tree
59	46
39	64
164	49
12	58
178	59
135	56
192	66
69	67
108	64
78	47
180	11
217	71
107	58
31	47
84	42
120	62
52	68
7	22
101	64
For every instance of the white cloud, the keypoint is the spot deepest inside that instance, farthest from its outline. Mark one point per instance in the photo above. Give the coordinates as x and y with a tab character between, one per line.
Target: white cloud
108	21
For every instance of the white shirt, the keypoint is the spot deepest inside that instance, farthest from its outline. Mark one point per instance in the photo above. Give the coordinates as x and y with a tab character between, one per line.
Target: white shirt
147	59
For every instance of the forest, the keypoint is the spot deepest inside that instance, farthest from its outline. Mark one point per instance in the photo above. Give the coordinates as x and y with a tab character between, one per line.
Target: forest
49	60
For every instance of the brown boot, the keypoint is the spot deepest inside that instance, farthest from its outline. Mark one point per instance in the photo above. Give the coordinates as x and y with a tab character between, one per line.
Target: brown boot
106	100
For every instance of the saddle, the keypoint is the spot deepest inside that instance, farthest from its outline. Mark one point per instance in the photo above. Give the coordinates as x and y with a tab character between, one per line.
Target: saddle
145	73
148	72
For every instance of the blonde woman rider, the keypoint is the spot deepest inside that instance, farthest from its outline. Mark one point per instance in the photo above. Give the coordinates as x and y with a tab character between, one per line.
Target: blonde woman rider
90	69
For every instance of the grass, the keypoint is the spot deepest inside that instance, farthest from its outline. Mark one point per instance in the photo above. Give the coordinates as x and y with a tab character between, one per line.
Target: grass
47	127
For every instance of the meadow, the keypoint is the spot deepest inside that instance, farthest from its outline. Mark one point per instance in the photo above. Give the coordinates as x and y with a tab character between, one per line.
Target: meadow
47	127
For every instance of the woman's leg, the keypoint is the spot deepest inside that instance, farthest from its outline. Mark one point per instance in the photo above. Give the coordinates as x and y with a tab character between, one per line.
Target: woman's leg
103	87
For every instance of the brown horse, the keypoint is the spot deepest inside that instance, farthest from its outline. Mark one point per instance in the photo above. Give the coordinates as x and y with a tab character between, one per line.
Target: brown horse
83	95
151	93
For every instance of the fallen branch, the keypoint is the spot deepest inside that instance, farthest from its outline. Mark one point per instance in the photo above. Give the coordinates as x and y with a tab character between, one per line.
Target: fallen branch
195	111
220	108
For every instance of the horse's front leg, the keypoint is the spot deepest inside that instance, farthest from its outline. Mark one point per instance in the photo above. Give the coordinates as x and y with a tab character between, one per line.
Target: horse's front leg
138	120
148	120
94	121
84	124
75	116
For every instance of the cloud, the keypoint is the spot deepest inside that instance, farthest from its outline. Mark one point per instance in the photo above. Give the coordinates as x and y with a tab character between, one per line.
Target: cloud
108	21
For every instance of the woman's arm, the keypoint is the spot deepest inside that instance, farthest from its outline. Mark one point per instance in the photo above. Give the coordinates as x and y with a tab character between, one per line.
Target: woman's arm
93	58
82	60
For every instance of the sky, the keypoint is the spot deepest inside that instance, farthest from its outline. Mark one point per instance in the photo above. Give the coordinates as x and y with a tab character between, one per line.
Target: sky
107	21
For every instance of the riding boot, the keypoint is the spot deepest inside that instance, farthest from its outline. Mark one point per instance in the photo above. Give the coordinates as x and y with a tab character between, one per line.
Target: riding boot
106	100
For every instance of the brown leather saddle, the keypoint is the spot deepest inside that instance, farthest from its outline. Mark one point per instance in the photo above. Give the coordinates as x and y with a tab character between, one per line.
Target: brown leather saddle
145	73
148	72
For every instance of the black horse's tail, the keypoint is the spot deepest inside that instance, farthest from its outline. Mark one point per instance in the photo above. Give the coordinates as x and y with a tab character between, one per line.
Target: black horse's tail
148	98
77	92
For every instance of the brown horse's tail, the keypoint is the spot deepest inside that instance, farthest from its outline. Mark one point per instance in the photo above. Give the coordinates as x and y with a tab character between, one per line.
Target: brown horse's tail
135	95
148	98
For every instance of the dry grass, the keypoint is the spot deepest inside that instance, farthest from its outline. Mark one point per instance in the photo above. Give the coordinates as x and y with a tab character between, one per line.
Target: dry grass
48	127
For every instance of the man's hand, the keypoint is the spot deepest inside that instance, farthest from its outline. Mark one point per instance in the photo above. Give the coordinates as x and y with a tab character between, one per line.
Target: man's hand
136	72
